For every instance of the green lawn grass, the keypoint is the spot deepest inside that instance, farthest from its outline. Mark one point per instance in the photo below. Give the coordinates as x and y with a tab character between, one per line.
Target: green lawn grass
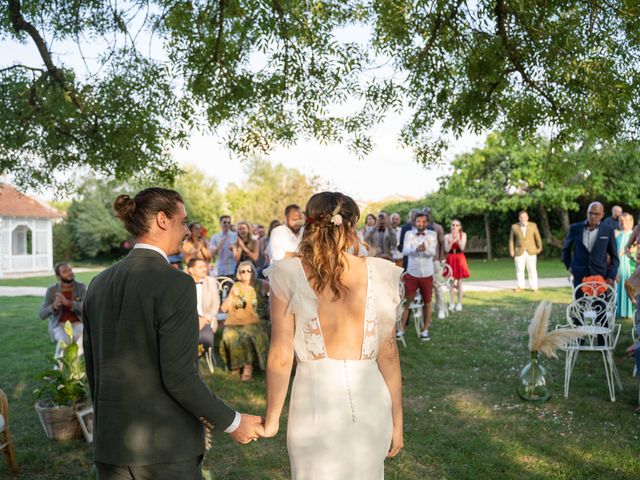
499	269
504	269
45	281
463	419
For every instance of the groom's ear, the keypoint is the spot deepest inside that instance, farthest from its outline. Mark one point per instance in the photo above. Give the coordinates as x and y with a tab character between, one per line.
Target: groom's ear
162	221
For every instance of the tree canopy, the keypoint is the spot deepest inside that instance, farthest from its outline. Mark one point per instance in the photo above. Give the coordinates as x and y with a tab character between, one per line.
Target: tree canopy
262	73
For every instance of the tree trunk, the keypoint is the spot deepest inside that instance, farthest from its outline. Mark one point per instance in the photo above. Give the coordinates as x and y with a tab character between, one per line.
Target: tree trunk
566	223
546	228
487	231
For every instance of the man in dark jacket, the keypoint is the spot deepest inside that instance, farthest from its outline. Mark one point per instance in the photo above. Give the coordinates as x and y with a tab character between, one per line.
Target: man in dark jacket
590	248
140	342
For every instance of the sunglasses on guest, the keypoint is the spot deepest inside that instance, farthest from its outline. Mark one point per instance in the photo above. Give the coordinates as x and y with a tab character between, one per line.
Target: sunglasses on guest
245	271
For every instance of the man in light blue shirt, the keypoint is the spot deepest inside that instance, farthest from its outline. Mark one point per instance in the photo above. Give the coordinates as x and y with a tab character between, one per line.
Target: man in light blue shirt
221	250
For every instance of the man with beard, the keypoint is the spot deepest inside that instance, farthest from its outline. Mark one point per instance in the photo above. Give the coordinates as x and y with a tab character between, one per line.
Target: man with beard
284	239
63	301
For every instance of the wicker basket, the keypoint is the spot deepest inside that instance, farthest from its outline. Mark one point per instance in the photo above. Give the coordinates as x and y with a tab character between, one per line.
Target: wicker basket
59	423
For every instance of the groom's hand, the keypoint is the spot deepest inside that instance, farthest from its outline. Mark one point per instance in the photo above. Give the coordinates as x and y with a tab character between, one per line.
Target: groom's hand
246	431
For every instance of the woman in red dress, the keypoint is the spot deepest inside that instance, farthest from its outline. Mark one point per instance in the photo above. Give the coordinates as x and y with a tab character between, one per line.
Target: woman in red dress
454	243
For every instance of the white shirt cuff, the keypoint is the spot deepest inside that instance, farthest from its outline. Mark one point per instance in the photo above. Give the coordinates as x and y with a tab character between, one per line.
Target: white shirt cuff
234	425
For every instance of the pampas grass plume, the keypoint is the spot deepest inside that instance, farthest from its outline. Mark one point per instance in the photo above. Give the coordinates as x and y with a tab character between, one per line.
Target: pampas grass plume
548	342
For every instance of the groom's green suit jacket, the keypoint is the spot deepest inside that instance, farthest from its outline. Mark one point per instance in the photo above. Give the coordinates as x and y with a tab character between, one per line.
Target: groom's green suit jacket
140	348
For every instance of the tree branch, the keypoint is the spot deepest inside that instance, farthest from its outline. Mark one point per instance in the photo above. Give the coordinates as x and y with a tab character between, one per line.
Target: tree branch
21	25
512	54
218	46
26	67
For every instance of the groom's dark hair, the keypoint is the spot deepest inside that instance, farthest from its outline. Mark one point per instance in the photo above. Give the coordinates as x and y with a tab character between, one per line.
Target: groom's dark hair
135	212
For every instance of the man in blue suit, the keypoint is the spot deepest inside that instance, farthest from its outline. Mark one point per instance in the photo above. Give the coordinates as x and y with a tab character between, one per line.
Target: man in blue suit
591	241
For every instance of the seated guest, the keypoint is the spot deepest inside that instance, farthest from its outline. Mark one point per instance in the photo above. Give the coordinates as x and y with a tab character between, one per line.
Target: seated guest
244	340
62	302
208	298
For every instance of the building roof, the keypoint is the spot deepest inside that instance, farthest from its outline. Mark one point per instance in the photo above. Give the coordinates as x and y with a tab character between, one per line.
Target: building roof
16	204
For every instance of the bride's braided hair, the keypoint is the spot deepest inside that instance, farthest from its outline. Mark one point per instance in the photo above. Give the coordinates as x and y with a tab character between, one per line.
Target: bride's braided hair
329	233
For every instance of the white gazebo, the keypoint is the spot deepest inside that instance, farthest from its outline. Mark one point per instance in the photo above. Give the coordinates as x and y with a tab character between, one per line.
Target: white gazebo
26	241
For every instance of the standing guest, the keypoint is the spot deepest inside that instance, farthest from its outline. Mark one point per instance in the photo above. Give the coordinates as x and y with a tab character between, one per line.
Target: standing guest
437	261
272	225
369	225
624	305
194	246
396	254
407	227
244	340
208	301
63	301
587	245
614	220
262	261
381	240
284	240
525	245
245	247
140	341
221	248
454	243
631	248
421	246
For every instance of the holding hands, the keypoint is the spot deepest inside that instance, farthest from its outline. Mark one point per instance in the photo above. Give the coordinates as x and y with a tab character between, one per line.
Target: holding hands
248	429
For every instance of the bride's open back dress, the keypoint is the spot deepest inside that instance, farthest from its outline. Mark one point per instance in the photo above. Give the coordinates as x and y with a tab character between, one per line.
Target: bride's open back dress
340	421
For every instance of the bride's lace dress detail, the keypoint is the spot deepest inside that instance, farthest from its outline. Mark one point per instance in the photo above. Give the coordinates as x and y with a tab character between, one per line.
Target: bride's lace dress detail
340	422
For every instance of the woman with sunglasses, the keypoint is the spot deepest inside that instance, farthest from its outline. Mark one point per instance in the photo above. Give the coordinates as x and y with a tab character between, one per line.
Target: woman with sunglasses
454	244
244	340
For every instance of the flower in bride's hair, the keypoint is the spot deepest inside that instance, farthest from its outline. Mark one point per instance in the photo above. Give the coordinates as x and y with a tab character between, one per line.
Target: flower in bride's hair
336	218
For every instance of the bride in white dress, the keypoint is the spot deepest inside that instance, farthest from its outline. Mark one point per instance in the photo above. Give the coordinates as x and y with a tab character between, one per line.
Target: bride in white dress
336	312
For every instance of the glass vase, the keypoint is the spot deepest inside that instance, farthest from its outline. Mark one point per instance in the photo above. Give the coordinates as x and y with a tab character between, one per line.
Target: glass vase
533	382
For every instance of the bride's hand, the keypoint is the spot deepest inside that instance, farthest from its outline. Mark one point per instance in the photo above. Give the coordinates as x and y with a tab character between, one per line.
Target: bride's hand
397	442
267	430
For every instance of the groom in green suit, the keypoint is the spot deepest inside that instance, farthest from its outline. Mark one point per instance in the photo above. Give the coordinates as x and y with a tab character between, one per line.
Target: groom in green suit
140	348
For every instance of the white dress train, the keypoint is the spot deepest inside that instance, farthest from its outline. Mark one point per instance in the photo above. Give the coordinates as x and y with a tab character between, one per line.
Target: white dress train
340	422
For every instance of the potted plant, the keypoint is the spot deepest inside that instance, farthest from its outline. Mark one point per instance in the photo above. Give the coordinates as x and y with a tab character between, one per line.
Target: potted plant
62	393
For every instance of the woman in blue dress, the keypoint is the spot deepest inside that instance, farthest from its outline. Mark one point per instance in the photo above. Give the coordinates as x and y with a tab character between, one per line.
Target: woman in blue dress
624	308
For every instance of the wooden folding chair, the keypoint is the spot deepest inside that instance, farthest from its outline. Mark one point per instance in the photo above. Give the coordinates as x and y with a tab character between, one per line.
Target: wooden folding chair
6	444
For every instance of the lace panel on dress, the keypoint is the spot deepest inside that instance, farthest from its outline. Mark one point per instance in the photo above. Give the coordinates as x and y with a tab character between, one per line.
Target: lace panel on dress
313	341
370	341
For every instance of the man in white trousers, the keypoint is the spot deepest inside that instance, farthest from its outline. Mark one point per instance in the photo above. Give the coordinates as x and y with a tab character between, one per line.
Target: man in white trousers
525	245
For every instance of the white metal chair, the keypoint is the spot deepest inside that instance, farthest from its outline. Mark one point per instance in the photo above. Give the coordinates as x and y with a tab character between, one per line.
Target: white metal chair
224	286
592	311
399	312
416	308
443	282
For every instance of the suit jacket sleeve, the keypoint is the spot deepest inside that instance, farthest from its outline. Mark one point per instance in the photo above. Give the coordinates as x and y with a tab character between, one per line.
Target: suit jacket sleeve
45	310
612	250
88	349
178	338
537	239
512	234
566	249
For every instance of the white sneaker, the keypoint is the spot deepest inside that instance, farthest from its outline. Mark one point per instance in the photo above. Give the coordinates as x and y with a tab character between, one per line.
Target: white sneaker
399	334
442	314
452	306
459	307
424	336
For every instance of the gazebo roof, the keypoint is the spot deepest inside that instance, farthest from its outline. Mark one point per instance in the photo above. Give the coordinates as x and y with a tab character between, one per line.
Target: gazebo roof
16	204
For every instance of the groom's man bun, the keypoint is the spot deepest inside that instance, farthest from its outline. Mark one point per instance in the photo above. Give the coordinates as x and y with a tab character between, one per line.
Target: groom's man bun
135	213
